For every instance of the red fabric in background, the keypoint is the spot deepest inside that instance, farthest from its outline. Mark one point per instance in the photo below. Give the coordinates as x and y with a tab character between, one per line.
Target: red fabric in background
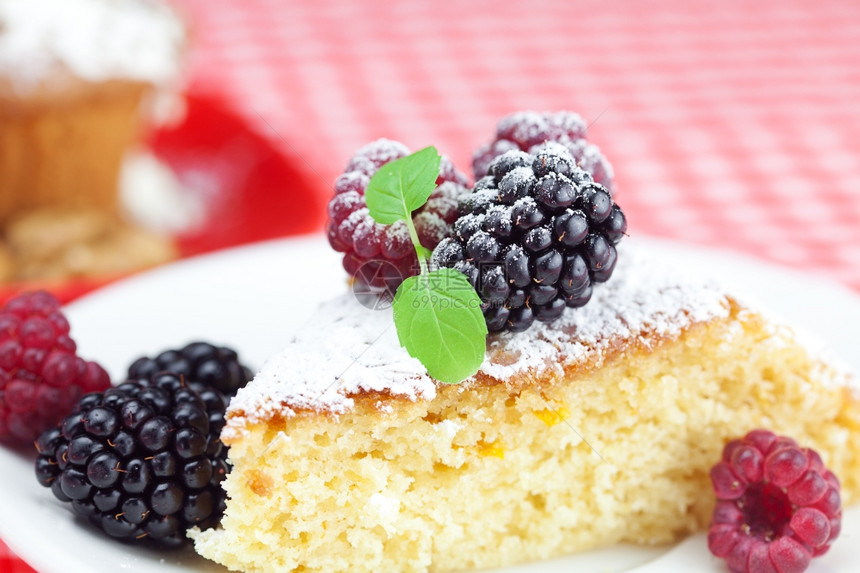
732	124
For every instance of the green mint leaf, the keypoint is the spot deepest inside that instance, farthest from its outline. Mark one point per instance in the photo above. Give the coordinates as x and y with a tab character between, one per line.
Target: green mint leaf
402	185
424	251
439	321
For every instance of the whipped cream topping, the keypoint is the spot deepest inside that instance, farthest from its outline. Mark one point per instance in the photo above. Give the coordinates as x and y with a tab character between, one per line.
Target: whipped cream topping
348	349
94	40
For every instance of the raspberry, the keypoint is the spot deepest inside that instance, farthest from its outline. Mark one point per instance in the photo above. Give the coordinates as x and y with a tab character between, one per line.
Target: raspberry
215	366
777	505
41	376
533	237
525	130
382	255
140	461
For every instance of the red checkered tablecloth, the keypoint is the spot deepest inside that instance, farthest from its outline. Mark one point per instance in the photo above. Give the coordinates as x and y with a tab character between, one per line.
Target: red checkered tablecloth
731	124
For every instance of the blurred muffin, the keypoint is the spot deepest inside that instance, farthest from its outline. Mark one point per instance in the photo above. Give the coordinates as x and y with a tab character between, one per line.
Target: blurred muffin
77	77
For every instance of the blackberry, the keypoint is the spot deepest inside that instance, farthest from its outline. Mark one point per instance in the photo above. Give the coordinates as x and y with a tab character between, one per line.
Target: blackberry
381	256
139	461
527	130
214	372
215	366
534	237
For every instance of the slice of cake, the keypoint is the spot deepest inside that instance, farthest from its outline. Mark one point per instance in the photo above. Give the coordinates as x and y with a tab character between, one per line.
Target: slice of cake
596	429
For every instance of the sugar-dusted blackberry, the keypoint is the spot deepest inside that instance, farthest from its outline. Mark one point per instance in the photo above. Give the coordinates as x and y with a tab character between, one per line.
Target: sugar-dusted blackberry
527	130
215	366
382	255
139	461
533	237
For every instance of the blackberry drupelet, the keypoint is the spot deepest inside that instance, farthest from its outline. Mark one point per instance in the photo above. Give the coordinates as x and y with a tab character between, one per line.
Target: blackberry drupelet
382	255
527	130
534	237
139	461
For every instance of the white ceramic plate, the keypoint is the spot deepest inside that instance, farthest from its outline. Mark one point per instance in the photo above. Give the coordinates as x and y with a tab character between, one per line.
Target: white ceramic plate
254	298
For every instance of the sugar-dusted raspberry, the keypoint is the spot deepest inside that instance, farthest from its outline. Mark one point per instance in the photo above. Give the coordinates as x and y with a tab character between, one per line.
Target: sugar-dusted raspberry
41	376
777	505
382	255
525	130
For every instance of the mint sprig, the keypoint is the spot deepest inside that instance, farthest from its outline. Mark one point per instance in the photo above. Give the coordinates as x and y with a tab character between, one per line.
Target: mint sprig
439	322
401	186
437	313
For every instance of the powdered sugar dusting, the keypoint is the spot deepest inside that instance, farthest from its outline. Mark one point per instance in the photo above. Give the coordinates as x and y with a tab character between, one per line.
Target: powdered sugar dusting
396	237
348	349
531	126
93	39
355	181
553	148
644	300
528	130
519	175
369	158
431	228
